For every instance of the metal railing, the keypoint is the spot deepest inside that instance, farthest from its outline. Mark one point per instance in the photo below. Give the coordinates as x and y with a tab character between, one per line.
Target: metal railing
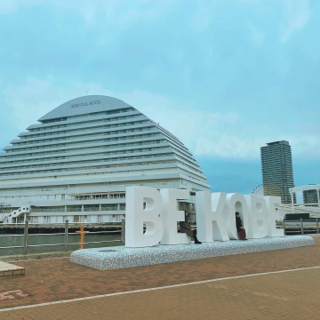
311	208
66	234
301	226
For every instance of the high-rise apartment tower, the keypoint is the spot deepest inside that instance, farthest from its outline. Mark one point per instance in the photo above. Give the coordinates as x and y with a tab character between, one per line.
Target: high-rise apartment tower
276	161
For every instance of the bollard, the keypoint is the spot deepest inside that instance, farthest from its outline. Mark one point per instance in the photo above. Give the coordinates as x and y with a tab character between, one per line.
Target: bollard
66	235
317	225
123	232
82	233
284	226
25	242
301	225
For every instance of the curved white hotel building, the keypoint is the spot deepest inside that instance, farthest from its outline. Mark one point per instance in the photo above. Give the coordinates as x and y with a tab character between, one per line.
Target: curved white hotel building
77	161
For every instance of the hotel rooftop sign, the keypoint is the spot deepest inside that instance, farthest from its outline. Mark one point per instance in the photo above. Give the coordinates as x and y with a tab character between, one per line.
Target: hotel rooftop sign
85	104
96	103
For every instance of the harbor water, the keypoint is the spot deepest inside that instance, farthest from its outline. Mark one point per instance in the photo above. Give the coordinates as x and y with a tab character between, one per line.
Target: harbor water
7	240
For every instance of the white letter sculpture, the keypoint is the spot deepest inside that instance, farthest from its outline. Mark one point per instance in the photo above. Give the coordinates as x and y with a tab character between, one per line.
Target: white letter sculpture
216	219
209	216
136	216
171	215
273	216
258	215
235	202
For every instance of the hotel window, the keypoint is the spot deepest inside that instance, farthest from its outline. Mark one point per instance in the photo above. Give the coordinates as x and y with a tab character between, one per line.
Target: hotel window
46	219
83	218
109	207
76	218
91	208
74	208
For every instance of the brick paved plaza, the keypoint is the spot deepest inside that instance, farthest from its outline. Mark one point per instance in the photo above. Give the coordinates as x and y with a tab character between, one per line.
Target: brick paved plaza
231	287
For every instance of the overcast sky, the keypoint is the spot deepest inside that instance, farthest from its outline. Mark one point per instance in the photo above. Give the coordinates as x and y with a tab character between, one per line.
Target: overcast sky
224	76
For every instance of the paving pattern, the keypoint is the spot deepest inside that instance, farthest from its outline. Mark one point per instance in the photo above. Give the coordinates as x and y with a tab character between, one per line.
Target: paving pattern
284	295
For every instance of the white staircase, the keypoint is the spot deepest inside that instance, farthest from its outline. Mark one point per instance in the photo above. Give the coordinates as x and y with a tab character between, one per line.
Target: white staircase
12	217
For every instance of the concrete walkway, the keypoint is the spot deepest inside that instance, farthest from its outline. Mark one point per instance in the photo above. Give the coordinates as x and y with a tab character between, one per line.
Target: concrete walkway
231	287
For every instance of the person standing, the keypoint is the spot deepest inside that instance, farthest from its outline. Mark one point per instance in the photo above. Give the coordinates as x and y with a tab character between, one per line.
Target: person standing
240	229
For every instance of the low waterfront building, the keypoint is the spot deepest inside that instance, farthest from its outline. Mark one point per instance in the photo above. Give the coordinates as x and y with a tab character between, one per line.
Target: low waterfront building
310	193
310	196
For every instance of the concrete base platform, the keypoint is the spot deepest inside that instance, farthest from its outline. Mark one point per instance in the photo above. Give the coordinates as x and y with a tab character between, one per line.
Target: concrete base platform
10	270
110	258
